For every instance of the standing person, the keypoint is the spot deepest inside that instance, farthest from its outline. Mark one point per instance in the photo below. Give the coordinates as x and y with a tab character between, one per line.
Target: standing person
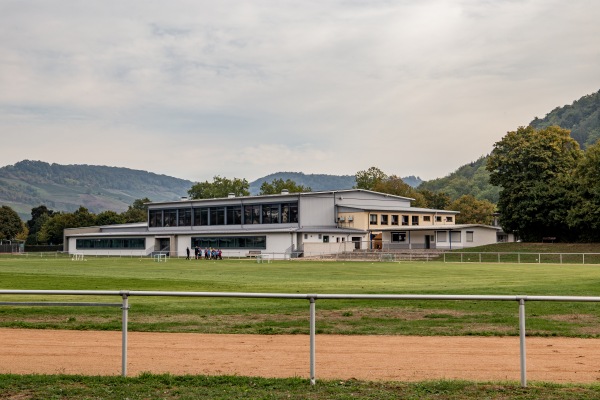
196	250
187	252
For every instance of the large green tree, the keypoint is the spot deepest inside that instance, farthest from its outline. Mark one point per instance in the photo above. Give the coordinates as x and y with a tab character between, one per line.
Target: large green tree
219	187
584	216
369	178
396	186
277	185
136	212
534	170
39	215
10	223
473	211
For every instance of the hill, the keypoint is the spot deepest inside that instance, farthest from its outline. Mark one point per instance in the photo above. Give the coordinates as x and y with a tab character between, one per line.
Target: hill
319	182
28	184
582	118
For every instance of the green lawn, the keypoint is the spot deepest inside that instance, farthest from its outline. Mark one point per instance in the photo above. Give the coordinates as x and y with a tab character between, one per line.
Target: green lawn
275	316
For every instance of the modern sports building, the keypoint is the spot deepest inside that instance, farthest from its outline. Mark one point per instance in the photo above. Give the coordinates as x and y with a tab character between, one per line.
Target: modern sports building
285	225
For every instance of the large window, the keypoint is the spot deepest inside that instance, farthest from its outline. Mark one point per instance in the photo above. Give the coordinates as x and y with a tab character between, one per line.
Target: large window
415	220
394	220
155	218
185	217
217	216
373	219
231	242
114	243
200	216
398	237
405	220
234	215
384	219
170	218
270	213
251	215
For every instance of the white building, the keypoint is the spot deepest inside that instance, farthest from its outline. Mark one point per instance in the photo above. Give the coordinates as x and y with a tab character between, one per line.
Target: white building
284	225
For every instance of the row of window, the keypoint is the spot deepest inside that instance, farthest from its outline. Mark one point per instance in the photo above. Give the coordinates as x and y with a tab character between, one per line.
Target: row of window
231	242
130	243
442	236
394	219
280	213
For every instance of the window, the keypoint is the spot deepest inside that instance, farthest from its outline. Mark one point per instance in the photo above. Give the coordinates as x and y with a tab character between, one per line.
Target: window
441	236
200	216
415	220
114	243
325	238
306	236
185	217
252	215
455	237
155	218
231	242
405	220
270	213
469	237
398	237
384	219
394	220
217	216
448	219
234	215
426	218
438	218
373	219
170	217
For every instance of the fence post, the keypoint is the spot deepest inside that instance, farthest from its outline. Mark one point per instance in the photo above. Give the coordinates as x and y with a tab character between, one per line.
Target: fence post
522	342
312	340
125	308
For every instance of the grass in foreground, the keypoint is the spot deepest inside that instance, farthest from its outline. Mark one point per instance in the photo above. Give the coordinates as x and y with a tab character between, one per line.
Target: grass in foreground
148	386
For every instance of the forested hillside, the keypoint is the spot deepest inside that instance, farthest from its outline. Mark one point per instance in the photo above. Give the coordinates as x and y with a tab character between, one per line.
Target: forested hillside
28	184
582	118
470	179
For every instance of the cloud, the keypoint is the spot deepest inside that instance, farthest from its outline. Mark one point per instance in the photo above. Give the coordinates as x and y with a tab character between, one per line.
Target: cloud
196	88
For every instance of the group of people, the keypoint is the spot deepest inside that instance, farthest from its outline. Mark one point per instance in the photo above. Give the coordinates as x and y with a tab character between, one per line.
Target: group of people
209	253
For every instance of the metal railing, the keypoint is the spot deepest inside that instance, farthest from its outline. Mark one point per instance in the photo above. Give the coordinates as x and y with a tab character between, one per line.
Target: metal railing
522	258
312	298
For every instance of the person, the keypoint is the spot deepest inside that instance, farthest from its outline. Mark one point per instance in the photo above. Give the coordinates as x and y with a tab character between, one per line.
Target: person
219	254
187	252
196	250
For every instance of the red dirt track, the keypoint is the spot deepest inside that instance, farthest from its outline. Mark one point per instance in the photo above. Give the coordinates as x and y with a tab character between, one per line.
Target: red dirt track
390	358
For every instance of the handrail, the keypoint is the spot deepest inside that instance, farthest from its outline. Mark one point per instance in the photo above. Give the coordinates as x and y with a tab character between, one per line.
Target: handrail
125	294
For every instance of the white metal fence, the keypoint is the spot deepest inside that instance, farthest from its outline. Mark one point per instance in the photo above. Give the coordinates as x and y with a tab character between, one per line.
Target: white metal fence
312	298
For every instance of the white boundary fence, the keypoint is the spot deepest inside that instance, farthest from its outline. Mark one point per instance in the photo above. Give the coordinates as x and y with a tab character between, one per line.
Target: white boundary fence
312	298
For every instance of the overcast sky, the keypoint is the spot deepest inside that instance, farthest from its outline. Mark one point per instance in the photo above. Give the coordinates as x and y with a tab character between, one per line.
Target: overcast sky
197	88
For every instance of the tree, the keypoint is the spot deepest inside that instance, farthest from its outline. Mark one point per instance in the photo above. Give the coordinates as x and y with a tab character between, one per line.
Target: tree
219	187
584	216
109	218
137	212
435	200
277	185
10	223
369	178
473	211
39	215
533	169
396	186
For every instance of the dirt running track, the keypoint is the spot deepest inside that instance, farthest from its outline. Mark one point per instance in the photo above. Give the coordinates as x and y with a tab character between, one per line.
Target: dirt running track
393	358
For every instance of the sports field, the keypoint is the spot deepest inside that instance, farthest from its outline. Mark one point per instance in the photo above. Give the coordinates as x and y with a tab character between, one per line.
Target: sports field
272	316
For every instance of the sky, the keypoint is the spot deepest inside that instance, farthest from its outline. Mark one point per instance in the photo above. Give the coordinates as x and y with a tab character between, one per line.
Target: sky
195	89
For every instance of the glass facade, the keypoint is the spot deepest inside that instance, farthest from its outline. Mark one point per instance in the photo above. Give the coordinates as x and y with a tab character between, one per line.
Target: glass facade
115	243
231	242
275	213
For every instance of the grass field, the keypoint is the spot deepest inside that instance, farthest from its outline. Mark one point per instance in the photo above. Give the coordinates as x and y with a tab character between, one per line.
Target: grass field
274	316
220	315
